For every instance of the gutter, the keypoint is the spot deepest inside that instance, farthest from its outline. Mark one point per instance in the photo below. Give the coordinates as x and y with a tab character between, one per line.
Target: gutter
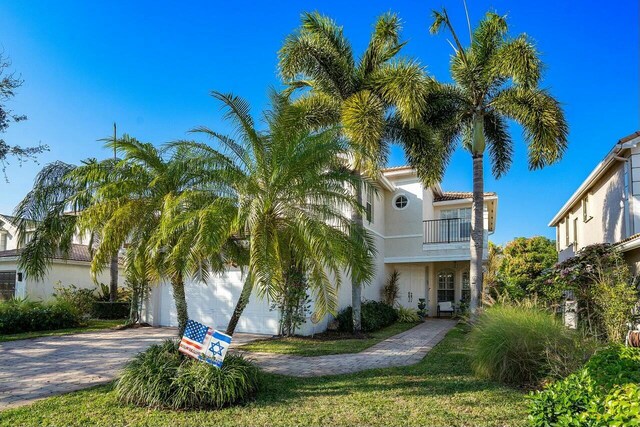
598	171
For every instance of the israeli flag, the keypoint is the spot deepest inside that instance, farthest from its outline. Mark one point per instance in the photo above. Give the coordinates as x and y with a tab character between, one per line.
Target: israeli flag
216	349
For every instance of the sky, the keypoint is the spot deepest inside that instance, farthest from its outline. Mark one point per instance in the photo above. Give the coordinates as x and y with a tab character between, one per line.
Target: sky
149	66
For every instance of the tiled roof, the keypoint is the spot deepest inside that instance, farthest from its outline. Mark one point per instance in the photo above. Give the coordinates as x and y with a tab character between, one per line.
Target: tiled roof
396	168
458	195
77	253
629	137
628	239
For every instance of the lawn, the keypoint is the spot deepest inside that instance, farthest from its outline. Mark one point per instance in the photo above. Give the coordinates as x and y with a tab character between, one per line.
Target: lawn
325	343
440	390
90	326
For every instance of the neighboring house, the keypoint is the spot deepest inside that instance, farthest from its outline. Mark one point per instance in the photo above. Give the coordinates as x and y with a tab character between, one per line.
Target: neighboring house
421	232
606	206
73	270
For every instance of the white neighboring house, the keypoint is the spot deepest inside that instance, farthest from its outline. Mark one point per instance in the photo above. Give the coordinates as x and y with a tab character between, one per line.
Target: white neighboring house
422	232
605	208
75	270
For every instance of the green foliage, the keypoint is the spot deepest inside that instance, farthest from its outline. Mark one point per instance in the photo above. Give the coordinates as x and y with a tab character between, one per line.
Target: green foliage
523	263
375	315
293	302
161	377
80	298
391	290
407	315
605	392
110	310
603	286
522	345
23	315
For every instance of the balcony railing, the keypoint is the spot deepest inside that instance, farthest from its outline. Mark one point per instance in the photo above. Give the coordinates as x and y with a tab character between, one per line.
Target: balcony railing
450	230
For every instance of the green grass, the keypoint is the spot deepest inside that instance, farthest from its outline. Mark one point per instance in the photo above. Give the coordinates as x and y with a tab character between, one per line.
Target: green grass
440	390
324	344
91	326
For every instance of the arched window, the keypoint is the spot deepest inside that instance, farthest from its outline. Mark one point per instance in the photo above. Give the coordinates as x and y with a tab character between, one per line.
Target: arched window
466	287
446	286
401	201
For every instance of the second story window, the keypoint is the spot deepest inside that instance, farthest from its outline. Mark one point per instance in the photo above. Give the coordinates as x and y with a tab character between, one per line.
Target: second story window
401	201
369	205
585	209
567	240
3	241
575	232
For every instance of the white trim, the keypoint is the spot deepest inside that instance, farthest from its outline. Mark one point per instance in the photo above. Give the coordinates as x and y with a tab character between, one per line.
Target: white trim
404	236
629	245
393	260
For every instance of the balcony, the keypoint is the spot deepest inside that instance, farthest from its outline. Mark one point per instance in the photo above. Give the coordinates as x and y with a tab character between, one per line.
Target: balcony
450	230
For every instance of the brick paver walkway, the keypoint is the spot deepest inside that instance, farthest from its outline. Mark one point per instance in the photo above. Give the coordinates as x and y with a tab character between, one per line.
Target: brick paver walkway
406	348
40	367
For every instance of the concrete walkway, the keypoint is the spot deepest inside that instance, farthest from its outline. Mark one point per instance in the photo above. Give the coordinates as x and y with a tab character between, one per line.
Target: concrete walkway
406	348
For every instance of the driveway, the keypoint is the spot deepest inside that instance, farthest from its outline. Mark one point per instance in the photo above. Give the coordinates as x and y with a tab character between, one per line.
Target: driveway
40	367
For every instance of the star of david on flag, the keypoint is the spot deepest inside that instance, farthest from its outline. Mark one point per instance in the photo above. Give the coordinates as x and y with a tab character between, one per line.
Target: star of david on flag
204	343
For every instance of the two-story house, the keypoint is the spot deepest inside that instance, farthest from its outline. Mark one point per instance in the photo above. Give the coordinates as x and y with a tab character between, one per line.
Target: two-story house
422	232
73	269
606	206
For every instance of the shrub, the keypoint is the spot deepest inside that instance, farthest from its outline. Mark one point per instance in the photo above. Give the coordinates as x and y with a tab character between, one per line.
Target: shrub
604	392
406	315
375	315
80	298
110	310
391	291
519	344
161	377
22	315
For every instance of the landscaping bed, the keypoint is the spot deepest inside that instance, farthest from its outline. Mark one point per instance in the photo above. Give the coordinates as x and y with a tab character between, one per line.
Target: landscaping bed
440	390
329	342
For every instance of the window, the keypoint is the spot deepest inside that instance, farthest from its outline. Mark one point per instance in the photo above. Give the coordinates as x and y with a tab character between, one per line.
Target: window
558	237
466	287
7	285
3	241
566	233
575	232
461	228
445	286
369	205
401	201
585	209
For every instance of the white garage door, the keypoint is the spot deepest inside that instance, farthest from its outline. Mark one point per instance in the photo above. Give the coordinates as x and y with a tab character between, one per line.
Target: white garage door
212	303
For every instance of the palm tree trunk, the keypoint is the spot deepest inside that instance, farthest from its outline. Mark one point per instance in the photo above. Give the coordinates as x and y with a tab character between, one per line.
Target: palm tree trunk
177	284
356	288
477	234
113	283
243	300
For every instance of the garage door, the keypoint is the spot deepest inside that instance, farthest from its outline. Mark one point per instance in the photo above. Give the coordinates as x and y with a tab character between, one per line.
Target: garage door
7	284
212	303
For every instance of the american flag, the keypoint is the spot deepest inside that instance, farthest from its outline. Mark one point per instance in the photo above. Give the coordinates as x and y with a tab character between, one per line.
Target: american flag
194	340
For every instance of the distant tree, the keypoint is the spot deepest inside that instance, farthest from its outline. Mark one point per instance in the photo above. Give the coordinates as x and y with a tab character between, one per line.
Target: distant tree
8	85
492	274
524	262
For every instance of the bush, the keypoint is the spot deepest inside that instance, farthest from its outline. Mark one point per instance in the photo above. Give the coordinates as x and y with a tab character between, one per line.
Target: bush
110	310
80	298
406	315
22	315
390	291
520	345
604	392
161	377
375	315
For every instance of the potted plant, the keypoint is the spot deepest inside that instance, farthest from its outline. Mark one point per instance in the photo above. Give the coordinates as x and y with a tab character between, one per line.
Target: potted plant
422	308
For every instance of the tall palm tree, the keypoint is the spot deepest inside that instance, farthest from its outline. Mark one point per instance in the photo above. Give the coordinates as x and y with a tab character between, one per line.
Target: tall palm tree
497	79
290	188
366	97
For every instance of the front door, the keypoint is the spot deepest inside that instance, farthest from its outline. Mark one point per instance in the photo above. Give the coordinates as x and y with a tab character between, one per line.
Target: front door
7	285
412	284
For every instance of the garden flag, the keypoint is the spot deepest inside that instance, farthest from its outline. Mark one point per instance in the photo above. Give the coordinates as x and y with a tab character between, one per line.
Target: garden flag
204	343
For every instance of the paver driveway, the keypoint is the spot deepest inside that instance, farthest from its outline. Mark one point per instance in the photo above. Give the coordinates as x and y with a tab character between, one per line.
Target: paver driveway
36	368
406	348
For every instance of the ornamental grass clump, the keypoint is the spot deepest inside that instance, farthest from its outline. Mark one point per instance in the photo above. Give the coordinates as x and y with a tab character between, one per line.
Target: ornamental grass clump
161	377
521	345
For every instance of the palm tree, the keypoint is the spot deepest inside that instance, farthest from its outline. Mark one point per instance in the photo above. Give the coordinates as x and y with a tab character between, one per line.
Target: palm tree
368	97
290	189
496	79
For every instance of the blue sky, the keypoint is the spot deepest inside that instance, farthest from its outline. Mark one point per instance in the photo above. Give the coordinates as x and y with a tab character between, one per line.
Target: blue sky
149	65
